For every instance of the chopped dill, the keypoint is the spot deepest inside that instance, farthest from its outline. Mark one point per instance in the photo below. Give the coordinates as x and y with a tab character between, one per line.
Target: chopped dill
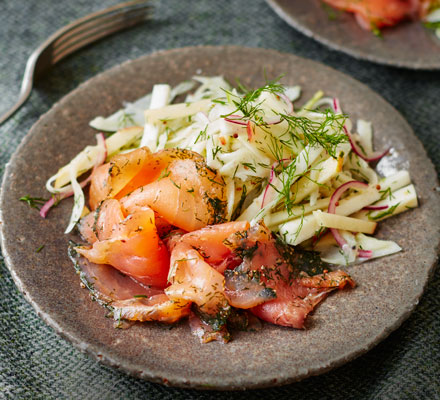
218	101
332	13
235	172
383	214
376	31
164	174
202	135
175	184
250	166
125	119
237	210
218	208
216	151
245	103
302	260
34	202
311	132
386	193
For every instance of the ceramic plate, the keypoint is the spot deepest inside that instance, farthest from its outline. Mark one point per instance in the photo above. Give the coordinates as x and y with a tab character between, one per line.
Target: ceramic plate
408	45
346	325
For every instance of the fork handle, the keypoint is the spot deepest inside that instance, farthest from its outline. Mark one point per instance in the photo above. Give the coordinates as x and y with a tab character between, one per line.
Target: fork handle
25	91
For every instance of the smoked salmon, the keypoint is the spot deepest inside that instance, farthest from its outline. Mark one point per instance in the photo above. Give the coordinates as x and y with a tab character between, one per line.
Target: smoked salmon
289	294
193	279
159	218
210	243
188	194
373	14
130	244
205	332
175	183
126	298
156	308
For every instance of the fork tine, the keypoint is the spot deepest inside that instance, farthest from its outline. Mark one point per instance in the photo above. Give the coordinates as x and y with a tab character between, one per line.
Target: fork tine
93	33
43	54
88	26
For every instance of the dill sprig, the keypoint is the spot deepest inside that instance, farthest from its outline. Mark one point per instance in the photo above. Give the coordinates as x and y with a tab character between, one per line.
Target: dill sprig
34	202
299	128
202	135
288	177
312	133
246	103
383	214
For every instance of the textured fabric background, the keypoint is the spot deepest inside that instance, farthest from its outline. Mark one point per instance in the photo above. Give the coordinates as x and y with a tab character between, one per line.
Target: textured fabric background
34	362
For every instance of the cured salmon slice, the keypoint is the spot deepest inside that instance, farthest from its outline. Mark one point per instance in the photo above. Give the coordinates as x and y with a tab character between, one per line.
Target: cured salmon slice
175	183
210	266
193	279
108	180
125	297
156	308
188	195
295	301
212	243
132	246
372	14
106	283
101	223
270	270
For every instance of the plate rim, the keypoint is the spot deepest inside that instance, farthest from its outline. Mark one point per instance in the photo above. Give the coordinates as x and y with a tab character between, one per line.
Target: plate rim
182	382
352	52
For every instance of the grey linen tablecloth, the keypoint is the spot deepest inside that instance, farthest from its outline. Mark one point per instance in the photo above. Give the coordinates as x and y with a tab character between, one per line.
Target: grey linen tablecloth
36	363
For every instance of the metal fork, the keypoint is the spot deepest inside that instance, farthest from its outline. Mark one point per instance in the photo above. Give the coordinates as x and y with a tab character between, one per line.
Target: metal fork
76	35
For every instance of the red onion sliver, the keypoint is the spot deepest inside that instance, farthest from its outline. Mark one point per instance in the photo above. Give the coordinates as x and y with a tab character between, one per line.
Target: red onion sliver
375	208
100	139
364	253
340	190
237	122
236	119
249	130
49	204
336	105
338	237
370	158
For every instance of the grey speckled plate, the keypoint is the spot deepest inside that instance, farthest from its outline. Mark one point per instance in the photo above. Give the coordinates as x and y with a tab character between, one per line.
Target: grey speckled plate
408	45
346	325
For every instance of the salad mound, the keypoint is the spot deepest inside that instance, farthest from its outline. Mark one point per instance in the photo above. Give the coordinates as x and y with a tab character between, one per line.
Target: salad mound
227	207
